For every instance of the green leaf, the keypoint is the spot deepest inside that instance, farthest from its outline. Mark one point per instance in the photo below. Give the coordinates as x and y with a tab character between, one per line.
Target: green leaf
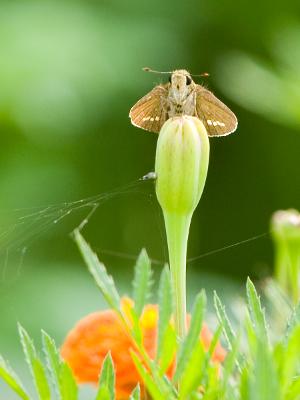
61	373
166	343
214	341
251	336
227	328
229	364
256	312
211	386
151	386
97	269
35	365
210	352
264	382
293	392
291	359
293	321
192	374
224	321
192	338
10	377
169	346
103	393
136	394
244	385
67	383
107	377
142	282
52	357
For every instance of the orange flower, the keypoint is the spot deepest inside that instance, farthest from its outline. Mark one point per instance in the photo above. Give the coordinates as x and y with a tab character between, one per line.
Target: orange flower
98	333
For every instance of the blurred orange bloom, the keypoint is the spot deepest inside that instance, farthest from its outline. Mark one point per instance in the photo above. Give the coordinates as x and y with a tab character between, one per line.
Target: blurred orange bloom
98	333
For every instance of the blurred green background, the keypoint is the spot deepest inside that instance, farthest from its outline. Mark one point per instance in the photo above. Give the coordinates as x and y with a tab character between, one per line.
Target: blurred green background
69	73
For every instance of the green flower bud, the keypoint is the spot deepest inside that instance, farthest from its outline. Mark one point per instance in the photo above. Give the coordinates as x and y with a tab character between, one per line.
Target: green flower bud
182	156
181	164
285	229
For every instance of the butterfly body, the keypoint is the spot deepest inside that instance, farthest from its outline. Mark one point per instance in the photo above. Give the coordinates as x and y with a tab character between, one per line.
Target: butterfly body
181	99
182	96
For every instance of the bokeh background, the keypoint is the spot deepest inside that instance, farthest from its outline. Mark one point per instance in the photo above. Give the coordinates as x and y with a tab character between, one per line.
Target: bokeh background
69	73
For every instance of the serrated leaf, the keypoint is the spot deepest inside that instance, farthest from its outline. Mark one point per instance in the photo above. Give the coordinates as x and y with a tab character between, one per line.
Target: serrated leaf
142	282
229	364
192	374
67	383
61	373
293	321
215	341
291	358
35	365
10	377
264	382
52	357
107	376
166	342
251	335
136	393
169	346
224	320
158	387
257	314
192	338
151	386
208	357
104	281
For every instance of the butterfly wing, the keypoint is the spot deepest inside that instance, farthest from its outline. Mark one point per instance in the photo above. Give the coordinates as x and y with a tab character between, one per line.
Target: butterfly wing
149	112
218	119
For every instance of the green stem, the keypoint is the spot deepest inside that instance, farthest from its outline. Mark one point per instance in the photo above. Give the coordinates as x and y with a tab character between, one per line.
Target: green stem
281	265
294	272
287	267
177	228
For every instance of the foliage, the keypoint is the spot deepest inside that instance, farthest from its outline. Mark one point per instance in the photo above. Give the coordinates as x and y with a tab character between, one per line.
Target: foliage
255	368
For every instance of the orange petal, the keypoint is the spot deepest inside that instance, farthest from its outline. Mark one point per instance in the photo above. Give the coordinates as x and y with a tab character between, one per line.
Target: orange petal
94	336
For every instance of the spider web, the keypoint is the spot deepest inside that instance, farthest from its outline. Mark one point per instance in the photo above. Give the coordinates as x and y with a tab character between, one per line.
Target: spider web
32	223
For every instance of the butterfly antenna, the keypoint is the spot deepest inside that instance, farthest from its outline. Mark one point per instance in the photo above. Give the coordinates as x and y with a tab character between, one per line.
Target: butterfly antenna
147	69
204	74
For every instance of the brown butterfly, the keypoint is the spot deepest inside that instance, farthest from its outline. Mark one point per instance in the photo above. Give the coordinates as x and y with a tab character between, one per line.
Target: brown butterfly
182	96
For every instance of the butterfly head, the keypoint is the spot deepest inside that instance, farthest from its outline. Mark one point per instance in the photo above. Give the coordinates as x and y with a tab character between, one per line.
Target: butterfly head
181	84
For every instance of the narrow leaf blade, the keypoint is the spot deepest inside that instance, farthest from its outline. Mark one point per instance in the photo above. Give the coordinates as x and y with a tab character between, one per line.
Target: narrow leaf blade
67	383
256	312
224	320
10	377
293	321
192	337
104	281
192	374
152	388
35	365
107	376
142	282
136	394
264	382
52	357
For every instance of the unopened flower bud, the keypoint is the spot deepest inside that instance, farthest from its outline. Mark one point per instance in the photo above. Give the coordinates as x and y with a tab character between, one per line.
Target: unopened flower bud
181	164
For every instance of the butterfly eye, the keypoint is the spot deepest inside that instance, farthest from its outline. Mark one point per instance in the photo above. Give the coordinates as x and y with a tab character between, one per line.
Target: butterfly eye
188	80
